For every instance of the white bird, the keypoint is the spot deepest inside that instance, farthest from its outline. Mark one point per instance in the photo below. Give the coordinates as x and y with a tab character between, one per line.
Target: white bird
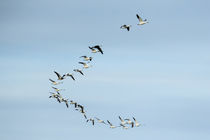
80	71
141	22
92	120
111	125
100	121
56	89
59	76
136	123
56	96
85	65
70	75
74	103
65	101
54	82
126	27
124	127
81	108
86	58
96	49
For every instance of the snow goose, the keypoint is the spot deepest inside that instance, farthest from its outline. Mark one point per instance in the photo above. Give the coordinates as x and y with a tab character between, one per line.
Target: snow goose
100	121
136	123
78	70
92	120
86	58
74	103
54	82
56	96
141	22
56	89
111	125
126	27
124	127
85	65
70	75
65	101
96	49
59	76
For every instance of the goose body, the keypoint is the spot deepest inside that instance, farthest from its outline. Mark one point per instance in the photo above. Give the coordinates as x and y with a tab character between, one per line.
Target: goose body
86	58
85	65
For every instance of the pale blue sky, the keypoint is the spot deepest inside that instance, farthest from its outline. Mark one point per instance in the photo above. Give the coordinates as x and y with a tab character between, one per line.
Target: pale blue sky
158	72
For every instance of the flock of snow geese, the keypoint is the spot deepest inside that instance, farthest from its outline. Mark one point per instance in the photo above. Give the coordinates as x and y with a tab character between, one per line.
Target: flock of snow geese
124	123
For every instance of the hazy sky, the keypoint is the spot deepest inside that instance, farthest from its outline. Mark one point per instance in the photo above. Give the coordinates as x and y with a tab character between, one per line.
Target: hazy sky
158	72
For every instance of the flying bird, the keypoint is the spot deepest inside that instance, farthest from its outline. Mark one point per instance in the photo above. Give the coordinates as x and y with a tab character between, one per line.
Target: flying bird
111	126
92	120
126	27
81	108
66	102
70	75
128	121
141	22
59	76
100	121
56	96
124	127
85	65
136	123
96	49
54	82
77	70
74	103
56	89
87	58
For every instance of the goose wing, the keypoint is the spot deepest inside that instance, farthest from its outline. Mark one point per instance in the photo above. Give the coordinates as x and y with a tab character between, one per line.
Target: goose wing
72	77
84	56
59	76
109	122
128	28
139	18
120	119
81	72
82	63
